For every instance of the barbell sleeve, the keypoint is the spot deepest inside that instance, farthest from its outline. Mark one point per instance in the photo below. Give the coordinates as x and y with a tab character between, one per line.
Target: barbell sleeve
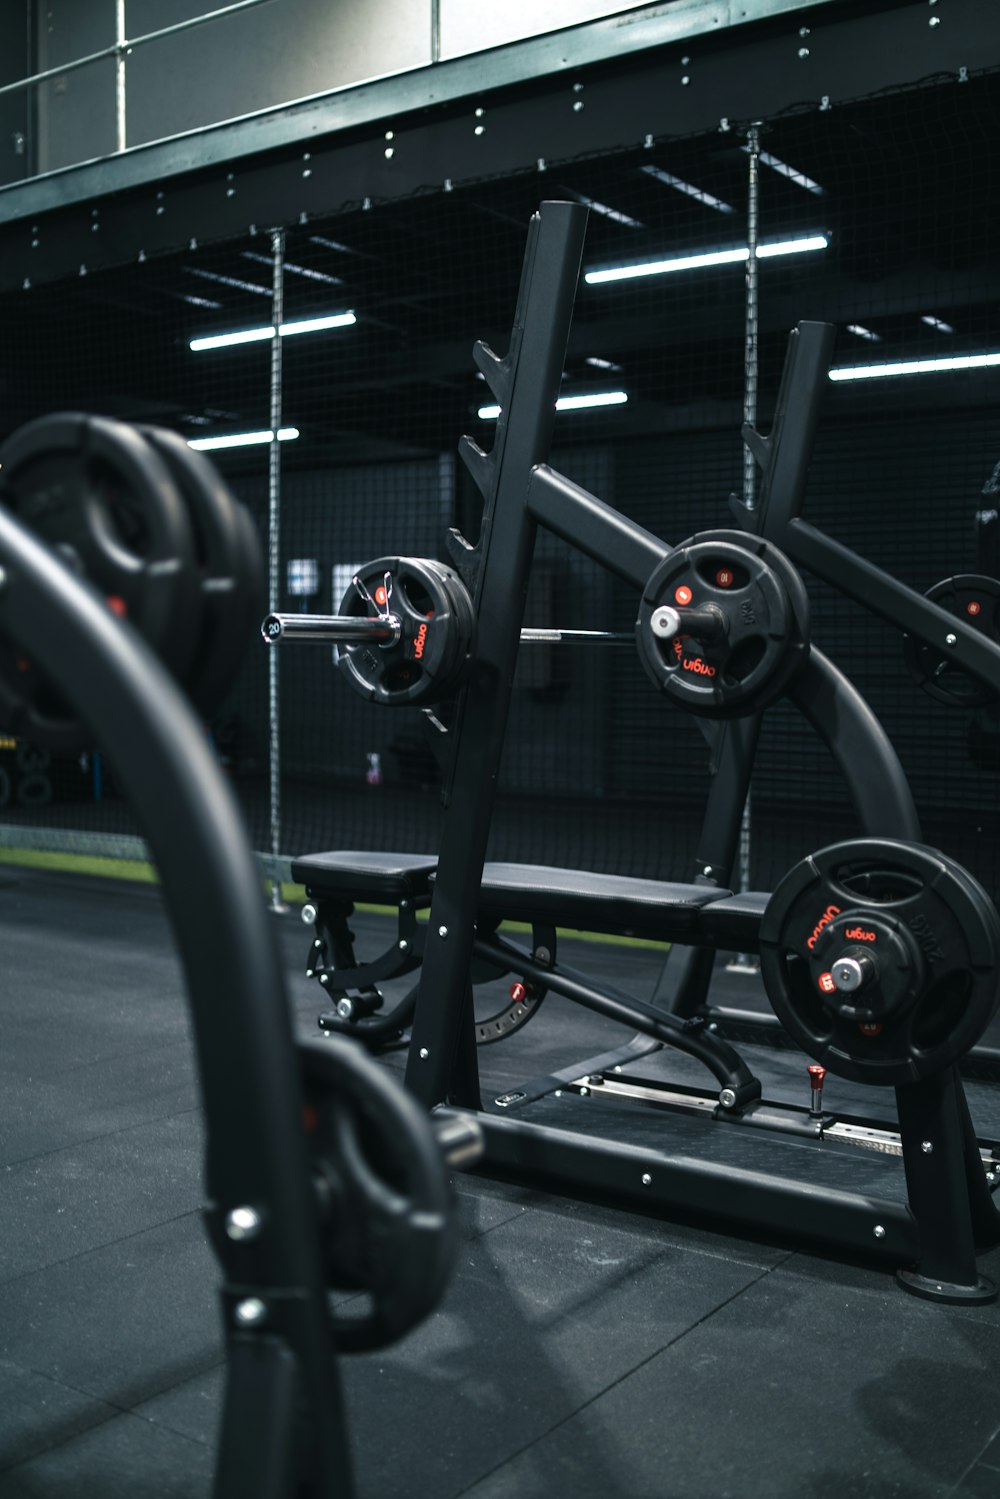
347	629
350	629
705	623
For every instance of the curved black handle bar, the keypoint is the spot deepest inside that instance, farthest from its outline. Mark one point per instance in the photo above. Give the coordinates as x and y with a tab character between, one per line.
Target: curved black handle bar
256	1149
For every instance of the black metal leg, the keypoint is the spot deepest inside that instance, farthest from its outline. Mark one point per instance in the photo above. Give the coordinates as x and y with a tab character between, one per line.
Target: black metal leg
256	1440
933	1122
684	982
464	1091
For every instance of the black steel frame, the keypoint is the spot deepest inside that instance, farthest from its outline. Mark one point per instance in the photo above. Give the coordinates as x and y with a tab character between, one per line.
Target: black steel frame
950	1212
283	1430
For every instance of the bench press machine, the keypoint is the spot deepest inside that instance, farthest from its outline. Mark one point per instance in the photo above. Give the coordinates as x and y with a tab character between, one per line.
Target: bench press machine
651	1134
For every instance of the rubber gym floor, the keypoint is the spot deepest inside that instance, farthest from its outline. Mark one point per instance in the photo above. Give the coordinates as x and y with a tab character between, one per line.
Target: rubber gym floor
579	1351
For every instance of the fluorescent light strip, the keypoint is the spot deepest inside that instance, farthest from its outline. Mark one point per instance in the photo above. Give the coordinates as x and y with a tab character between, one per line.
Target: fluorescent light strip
569	403
859	332
184	296
935	322
261	291
242	439
601	364
687	188
332	244
615	214
784	170
258	335
917	367
709	257
296	270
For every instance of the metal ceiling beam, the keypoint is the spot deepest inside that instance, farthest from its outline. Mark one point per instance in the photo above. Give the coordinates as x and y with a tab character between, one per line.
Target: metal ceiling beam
444	83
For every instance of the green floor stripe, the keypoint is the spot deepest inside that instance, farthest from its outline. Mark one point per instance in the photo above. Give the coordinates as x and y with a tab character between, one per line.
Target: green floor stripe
66	863
145	873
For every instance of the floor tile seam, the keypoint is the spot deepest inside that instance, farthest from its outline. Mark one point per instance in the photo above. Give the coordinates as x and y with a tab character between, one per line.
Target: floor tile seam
80	1254
480	1233
977	1462
118	1056
703	1251
115	1412
600	1394
111	1134
83	1429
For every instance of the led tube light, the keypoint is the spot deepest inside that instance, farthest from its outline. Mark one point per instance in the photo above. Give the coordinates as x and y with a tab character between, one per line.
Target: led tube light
242	439
569	403
257	335
917	367
709	257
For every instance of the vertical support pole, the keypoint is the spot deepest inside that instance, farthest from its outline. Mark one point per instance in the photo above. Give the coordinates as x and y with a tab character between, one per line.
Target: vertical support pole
120	125
274	559
751	326
435	30
752	312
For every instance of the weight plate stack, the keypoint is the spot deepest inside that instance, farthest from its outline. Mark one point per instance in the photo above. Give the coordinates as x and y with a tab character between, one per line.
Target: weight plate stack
389	1227
759	609
433	655
882	959
230	568
95	491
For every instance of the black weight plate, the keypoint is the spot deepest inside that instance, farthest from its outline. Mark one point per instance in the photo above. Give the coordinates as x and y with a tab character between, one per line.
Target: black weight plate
225	572
764	602
945	917
433	656
94	490
976	600
390	1228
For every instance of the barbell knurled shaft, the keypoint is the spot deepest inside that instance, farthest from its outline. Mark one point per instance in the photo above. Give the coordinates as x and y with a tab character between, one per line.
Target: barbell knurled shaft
345	629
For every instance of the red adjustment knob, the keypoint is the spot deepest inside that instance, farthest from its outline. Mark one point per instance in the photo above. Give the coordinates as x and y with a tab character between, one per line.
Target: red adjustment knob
816	1076
518	993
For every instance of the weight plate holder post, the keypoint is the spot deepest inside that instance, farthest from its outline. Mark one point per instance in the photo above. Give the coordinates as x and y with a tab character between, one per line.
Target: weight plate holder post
406	631
882	960
723	624
976	600
95	490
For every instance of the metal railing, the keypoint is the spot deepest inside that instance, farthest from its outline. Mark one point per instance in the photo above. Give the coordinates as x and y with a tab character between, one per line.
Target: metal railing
120	49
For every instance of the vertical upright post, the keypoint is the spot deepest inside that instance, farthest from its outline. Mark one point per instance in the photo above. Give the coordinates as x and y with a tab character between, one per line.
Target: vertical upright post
274	557
751	329
752	312
435	30
120	126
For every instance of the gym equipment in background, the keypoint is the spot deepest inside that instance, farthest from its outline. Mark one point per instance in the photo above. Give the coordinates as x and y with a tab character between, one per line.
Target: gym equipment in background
637	1122
321	1172
976	600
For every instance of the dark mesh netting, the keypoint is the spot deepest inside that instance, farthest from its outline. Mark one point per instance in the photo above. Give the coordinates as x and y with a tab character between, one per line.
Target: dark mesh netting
598	771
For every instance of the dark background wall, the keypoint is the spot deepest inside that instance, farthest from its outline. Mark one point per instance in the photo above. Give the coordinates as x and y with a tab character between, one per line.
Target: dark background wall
598	770
14	63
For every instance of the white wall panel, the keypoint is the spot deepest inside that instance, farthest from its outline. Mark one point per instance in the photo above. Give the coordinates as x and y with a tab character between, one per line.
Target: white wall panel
473	25
264	56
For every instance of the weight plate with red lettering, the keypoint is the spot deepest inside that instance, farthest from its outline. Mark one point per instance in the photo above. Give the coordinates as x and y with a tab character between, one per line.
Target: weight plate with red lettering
882	959
976	600
437	632
94	490
229	568
723	624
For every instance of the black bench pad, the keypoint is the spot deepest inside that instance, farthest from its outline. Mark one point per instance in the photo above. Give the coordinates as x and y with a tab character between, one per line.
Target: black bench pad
364	876
592	902
733	924
662	910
